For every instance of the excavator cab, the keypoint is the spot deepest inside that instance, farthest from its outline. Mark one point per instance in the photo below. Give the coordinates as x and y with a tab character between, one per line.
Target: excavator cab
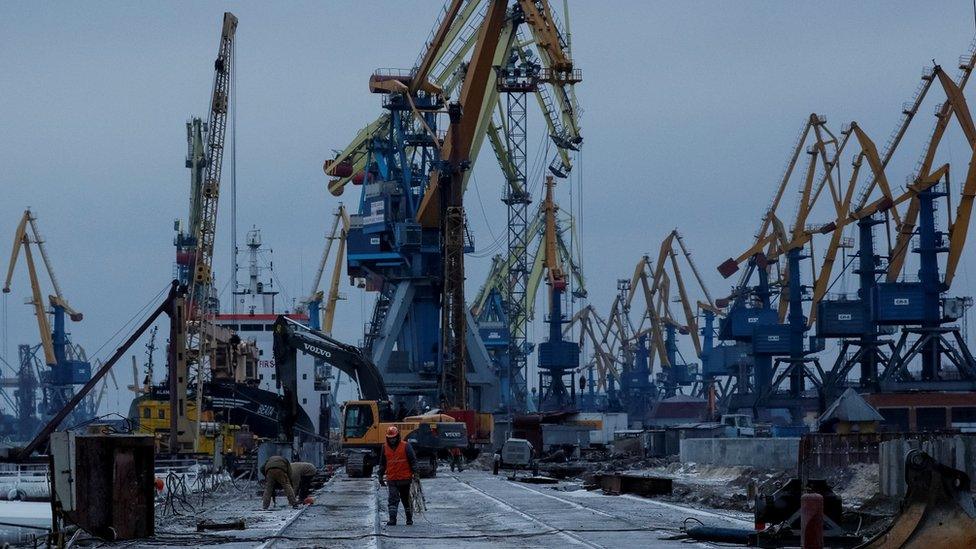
359	416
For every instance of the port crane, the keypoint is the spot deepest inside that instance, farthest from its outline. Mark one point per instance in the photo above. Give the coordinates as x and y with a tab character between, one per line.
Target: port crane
168	307
404	243
557	357
632	350
318	318
601	371
520	75
501	266
778	333
67	363
861	322
189	338
664	326
461	30
496	318
449	45
613	351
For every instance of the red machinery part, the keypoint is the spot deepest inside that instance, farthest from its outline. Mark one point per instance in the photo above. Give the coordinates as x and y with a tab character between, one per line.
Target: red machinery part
811	521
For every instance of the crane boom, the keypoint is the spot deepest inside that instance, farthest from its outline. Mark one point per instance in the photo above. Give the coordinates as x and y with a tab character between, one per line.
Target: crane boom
434	48
333	296
553	265
219	102
23	240
340	214
955	104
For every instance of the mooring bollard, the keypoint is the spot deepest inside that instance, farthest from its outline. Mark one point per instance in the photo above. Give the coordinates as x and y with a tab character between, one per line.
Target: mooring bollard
811	521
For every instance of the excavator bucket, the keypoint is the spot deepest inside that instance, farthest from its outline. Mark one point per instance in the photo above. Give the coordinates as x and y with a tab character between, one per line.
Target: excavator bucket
937	511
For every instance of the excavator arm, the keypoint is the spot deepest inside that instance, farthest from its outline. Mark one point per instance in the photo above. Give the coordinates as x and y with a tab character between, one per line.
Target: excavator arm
290	337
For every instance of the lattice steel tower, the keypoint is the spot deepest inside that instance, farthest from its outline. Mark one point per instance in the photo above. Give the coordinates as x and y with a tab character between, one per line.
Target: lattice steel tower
516	80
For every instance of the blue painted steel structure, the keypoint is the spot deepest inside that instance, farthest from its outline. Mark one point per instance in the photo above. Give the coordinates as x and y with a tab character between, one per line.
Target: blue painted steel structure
390	249
67	365
72	369
852	321
918	307
494	329
751	321
637	389
403	261
557	359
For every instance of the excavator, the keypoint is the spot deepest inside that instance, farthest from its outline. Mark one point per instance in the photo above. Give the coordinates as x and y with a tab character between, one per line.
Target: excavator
364	422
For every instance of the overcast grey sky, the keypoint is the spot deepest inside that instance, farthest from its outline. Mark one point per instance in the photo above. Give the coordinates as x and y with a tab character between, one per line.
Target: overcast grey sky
690	110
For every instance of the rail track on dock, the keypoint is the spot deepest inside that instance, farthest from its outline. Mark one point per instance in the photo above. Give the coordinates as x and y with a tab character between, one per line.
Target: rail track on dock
479	508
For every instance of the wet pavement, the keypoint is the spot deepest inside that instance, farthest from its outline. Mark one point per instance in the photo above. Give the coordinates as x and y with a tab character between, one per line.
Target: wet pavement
474	508
469	509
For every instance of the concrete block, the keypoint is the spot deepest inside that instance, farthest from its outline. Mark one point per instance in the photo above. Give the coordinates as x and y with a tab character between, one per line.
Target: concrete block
767	453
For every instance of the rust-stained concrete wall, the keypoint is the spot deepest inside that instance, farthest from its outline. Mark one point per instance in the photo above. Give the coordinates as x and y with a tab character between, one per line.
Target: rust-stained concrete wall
771	453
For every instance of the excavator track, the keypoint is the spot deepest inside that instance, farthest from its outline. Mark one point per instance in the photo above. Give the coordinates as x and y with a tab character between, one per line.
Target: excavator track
359	465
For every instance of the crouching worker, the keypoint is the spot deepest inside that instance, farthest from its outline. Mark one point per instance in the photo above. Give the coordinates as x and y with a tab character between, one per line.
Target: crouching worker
277	473
302	474
397	462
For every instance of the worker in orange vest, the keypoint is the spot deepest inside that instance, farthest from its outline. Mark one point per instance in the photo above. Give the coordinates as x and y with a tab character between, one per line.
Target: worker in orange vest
397	462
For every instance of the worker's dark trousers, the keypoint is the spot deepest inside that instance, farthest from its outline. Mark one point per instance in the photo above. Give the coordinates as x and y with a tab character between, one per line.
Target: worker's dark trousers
399	490
304	487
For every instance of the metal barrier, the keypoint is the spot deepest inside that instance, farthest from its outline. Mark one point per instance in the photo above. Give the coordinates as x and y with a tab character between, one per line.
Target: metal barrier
826	450
24	482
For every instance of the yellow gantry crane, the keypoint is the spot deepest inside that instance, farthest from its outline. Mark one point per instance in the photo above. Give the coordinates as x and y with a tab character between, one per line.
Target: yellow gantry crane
26	235
68	364
194	312
324	318
955	105
654	281
593	329
554	268
441	69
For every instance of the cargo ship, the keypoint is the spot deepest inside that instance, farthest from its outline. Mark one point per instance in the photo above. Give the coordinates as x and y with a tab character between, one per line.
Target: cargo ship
241	402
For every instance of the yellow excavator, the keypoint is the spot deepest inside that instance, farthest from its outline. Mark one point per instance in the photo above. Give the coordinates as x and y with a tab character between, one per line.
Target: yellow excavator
364	422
